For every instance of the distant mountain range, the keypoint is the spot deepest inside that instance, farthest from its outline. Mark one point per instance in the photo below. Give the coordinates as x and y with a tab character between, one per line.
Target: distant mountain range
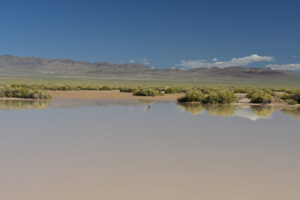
13	66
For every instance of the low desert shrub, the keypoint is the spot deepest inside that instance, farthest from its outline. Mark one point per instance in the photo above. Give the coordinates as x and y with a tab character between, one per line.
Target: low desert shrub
147	92
192	96
259	96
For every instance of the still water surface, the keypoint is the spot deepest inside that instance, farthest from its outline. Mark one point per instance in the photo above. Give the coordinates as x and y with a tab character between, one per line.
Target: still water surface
75	149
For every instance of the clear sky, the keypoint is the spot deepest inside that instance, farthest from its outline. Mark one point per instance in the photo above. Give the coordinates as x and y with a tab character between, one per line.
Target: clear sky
162	33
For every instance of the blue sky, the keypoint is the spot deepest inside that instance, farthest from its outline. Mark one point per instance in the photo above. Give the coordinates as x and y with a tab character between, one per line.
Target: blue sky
161	33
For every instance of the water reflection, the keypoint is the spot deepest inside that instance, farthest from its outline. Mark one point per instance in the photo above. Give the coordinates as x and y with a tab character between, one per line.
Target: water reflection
252	112
194	109
75	103
23	104
213	110
221	110
294	112
262	111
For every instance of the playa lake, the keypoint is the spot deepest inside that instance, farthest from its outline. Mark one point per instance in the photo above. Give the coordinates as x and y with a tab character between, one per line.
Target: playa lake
72	149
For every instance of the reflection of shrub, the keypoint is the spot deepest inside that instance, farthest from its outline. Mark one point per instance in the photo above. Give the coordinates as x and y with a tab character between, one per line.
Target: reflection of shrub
262	111
191	108
147	101
221	110
292	111
212	109
146	92
23	104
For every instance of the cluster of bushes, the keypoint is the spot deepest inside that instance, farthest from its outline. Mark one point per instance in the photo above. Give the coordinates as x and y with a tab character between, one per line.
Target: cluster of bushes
220	96
205	95
296	96
210	97
174	90
23	92
240	90
293	97
259	96
192	96
59	87
152	91
147	92
141	91
127	89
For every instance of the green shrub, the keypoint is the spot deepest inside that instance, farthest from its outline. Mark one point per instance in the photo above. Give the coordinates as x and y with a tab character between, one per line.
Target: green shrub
225	96
192	96
240	90
211	97
286	97
146	92
2	93
259	96
219	96
106	88
296	96
292	102
172	90
205	91
23	92
127	89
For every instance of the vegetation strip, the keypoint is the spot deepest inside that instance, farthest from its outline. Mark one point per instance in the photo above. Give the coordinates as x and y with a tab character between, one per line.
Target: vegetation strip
194	94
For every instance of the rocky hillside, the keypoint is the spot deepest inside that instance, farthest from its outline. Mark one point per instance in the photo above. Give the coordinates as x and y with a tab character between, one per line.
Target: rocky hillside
13	66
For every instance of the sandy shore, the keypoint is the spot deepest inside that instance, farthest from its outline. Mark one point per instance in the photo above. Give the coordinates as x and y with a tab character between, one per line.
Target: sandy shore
92	95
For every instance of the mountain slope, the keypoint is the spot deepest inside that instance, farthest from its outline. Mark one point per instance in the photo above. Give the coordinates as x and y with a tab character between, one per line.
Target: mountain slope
13	66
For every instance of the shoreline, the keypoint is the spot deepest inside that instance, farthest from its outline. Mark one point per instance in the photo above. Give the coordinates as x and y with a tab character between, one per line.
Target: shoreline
117	95
21	99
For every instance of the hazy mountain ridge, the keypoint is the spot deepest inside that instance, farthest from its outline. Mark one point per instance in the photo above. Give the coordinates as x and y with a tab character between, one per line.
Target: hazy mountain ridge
31	66
61	66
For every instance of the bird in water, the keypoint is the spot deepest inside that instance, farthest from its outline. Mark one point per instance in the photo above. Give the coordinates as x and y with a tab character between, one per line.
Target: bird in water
148	108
